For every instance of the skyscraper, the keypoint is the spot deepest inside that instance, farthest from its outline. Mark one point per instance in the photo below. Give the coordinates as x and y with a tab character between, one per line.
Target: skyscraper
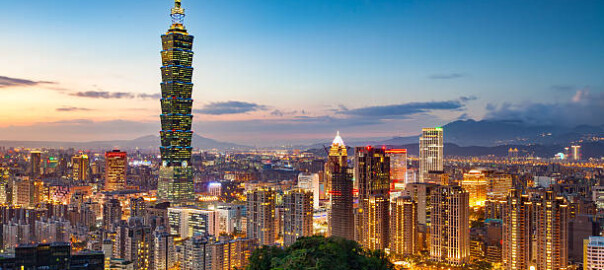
261	215
372	171
516	231
430	152
297	215
450	225
576	152
339	177
176	175
80	164
115	170
403	226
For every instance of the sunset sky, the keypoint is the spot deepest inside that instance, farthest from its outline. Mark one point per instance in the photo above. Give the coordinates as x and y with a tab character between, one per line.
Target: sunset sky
275	71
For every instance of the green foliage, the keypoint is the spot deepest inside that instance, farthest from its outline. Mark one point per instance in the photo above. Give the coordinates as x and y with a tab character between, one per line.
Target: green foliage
318	253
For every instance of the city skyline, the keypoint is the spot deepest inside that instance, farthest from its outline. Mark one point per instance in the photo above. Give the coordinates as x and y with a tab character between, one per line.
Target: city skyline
376	69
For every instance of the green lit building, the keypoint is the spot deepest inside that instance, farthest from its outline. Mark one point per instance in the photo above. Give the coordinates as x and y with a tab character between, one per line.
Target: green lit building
176	175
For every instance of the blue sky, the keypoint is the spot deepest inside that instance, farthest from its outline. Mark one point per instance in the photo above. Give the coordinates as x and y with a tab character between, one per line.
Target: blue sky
293	71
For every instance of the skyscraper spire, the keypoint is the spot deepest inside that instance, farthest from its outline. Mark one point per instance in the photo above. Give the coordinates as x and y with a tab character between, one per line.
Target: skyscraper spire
178	13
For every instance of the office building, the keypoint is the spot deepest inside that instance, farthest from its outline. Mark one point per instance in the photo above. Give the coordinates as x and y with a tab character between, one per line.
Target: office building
116	163
191	221
372	171
339	178
297	215
450	225
403	226
430	152
261	215
176	175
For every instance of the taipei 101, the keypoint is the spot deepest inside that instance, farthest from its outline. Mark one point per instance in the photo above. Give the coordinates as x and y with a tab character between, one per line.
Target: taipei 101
302	134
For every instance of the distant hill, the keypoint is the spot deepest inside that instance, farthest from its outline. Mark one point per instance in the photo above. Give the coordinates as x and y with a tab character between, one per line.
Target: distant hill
146	142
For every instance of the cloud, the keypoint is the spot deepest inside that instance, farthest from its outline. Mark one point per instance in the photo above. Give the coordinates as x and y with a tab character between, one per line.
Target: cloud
114	95
583	108
149	96
8	82
405	109
447	76
230	107
103	94
71	109
563	87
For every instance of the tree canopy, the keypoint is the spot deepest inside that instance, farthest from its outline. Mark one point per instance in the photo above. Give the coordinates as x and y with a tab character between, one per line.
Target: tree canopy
318	253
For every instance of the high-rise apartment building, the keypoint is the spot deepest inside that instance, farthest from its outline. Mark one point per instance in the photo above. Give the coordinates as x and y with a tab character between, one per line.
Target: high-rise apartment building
430	152
516	231
403	226
211	253
261	215
372	171
398	169
475	183
450	225
176	175
339	178
297	215
112	213
311	182
551	231
593	253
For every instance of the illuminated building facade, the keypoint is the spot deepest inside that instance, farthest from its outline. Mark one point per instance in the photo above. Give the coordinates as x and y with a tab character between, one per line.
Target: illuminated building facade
498	184
261	215
202	253
516	231
403	226
551	233
80	166
189	221
5	186
297	215
398	169
475	183
176	176
593	253
339	177
116	163
311	182
450	225
430	152
372	171
576	152
112	213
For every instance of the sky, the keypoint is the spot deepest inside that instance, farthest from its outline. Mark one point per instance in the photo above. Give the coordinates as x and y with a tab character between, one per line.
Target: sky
273	71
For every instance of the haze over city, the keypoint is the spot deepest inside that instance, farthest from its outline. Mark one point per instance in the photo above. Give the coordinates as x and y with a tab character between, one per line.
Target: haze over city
273	72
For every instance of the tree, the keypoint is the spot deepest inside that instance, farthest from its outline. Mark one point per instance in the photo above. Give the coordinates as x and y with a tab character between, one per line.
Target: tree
317	253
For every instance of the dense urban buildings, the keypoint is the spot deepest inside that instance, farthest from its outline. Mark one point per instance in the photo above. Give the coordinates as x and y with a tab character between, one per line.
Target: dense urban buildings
207	205
176	175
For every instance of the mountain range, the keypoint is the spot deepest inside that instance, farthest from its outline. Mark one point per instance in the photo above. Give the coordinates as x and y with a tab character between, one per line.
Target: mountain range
461	137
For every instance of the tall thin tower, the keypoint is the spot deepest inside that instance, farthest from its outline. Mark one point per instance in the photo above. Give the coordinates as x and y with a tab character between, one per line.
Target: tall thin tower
339	178
430	152
176	176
